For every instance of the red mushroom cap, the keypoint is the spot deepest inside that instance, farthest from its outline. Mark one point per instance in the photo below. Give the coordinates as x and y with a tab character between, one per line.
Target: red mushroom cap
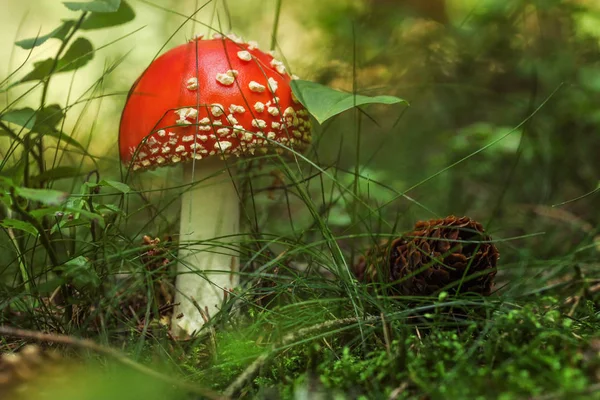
210	97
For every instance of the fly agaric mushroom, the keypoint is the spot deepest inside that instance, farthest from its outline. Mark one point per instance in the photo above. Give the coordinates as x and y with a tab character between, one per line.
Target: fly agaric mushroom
197	104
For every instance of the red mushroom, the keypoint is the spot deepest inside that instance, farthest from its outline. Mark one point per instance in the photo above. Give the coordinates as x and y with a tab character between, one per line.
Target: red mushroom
197	104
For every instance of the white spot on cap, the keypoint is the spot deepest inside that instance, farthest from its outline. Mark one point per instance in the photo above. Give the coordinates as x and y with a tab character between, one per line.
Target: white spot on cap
217	110
232	120
223	131
244	55
194	146
185	114
274	111
275	125
175	159
217	36
271	135
166	149
225	79
161	133
192	83
205	128
235	38
151	141
278	65
247	136
223	145
160	160
188	138
273	85
295	77
259	107
180	148
289	112
256	87
204	121
252	45
259	123
236	109
154	150
173	141
204	138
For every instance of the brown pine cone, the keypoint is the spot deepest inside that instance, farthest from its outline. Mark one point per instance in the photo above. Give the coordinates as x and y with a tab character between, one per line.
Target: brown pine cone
452	253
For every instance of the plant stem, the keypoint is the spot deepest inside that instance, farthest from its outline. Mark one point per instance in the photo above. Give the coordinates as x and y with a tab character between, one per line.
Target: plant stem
275	24
44	238
207	264
61	49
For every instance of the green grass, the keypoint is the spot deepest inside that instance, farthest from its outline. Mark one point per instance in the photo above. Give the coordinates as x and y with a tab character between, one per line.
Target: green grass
502	145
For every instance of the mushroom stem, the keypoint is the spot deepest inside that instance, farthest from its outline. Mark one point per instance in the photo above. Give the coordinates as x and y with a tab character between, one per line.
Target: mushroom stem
208	261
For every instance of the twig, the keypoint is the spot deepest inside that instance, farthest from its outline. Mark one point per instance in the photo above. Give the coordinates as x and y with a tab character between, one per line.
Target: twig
107	351
253	368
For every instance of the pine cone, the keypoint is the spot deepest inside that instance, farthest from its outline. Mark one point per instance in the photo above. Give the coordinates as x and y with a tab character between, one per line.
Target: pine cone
451	252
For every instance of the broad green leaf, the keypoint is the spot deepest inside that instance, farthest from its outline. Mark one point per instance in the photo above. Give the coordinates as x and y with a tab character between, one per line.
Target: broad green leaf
103	20
81	272
24	117
79	211
323	102
16	172
63	137
59	33
20	225
79	53
44	196
109	208
40	213
56	173
99	6
121	187
47	118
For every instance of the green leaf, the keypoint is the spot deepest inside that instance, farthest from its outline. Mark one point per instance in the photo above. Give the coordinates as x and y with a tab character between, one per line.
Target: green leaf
79	53
24	117
20	225
63	137
103	20
57	173
47	119
79	211
44	196
59	33
323	102
99	6
121	187
81	272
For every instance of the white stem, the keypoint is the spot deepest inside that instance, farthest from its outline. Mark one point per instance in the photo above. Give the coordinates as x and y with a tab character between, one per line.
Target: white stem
210	211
